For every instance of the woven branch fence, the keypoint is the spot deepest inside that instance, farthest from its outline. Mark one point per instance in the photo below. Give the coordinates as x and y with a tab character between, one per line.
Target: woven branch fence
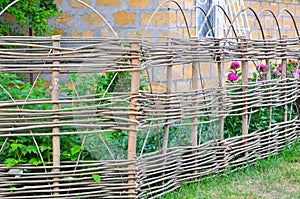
144	175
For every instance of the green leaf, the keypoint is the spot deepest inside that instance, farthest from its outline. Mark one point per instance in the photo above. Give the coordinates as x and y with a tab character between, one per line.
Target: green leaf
15	146
31	149
44	147
76	149
9	162
96	178
35	161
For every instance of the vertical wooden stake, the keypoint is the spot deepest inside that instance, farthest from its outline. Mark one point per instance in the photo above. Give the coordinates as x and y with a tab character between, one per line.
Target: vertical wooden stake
132	134
195	88
220	80
268	63
221	119
244	88
283	76
168	91
55	106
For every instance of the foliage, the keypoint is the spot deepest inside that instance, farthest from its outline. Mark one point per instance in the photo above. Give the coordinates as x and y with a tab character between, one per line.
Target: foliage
261	118
96	178
29	15
24	149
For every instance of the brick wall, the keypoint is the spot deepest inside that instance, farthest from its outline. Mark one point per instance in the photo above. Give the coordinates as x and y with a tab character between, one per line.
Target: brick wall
127	17
130	17
267	21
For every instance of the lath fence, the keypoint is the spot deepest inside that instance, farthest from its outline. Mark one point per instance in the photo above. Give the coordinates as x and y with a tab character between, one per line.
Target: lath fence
58	118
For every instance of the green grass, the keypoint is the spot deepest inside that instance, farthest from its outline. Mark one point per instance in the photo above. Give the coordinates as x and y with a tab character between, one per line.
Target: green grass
277	177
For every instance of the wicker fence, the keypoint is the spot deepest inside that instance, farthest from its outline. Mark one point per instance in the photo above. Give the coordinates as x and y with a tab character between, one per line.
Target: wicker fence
143	175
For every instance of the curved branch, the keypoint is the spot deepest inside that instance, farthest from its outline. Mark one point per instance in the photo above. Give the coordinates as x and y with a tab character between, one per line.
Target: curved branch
276	20
293	18
156	10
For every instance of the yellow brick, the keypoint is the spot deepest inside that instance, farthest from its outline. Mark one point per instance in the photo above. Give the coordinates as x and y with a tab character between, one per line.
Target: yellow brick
58	31
64	19
189	4
265	5
180	19
92	19
287	23
177	72
205	69
74	33
139	3
76	4
291	8
175	33
105	33
251	67
171	4
255	34
88	33
108	3
158	87
182	86
188	72
124	18
297	11
291	33
160	18
192	32
269	22
274	7
282	6
255	6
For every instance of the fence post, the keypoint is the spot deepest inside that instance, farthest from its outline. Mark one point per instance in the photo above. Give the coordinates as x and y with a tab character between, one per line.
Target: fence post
220	81
244	63
284	73
268	64
168	91
55	106
132	133
195	88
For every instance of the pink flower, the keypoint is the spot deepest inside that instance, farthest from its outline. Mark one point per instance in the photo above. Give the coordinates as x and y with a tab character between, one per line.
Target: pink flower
261	79
296	73
280	67
276	73
263	73
261	67
234	65
232	77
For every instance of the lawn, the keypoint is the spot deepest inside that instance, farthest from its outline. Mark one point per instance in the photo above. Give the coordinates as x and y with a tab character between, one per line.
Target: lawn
277	177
